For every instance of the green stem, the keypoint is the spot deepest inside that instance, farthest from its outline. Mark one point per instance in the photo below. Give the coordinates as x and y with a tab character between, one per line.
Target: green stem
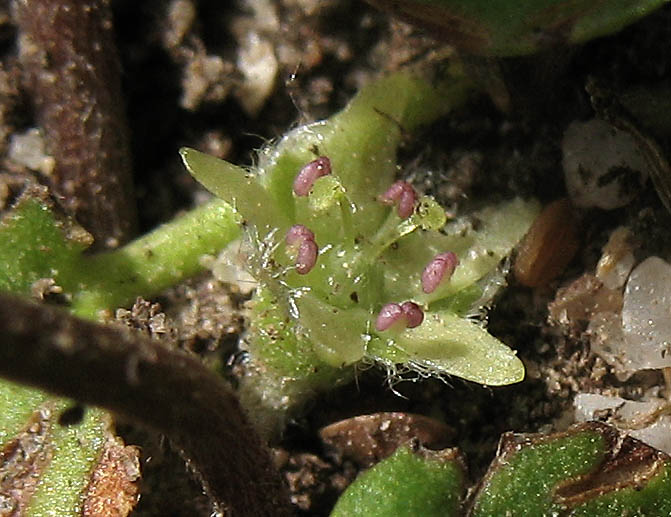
152	263
391	231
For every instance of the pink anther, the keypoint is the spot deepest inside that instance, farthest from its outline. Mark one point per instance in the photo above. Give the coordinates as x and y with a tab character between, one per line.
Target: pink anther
299	233
406	205
307	176
402	194
440	268
389	314
413	314
393	193
407	312
303	241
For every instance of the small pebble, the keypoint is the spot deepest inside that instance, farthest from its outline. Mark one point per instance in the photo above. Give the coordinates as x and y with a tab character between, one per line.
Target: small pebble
603	166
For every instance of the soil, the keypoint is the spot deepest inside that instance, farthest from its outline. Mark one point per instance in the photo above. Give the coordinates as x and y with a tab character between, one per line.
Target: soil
183	86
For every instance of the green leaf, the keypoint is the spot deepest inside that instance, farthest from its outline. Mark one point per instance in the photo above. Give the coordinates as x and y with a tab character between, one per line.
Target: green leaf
48	465
588	470
511	28
523	477
17	405
237	187
449	344
34	244
76	450
408	483
339	336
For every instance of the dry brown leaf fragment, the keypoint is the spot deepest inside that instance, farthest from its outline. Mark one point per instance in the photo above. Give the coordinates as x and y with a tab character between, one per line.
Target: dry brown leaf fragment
114	488
367	439
22	461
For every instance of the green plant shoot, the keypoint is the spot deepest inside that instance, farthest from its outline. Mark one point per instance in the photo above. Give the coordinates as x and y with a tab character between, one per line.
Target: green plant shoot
347	259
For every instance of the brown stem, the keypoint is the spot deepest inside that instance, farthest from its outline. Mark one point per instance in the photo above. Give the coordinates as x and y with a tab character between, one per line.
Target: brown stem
168	391
71	70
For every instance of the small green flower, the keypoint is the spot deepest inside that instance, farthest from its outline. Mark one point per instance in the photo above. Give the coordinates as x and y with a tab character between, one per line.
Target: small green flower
352	265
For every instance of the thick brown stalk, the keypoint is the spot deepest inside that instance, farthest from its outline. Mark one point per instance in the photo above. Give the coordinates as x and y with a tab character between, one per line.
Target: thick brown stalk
168	391
71	69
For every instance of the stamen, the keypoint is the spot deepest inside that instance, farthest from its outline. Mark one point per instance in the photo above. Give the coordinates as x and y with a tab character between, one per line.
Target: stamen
307	251
389	314
407	312
413	314
307	257
307	176
298	233
393	193
406	205
402	194
440	268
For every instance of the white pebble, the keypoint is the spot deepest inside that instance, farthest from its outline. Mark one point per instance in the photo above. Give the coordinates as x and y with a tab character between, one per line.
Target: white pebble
29	149
617	259
606	339
646	315
656	434
603	166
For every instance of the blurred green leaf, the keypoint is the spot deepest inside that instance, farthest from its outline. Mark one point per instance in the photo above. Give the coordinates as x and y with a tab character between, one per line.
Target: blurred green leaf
588	470
407	484
511	28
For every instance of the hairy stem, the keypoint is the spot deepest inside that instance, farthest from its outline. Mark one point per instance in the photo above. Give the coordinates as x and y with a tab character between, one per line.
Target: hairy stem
152	263
71	70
